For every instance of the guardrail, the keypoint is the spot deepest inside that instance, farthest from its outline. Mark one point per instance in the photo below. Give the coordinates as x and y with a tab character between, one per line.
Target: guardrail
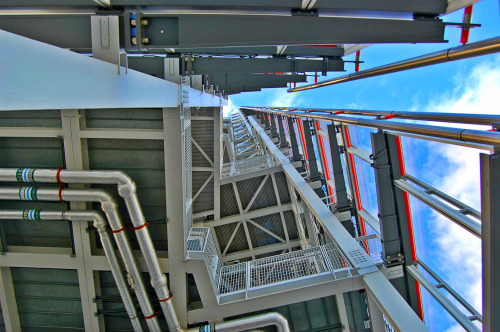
269	275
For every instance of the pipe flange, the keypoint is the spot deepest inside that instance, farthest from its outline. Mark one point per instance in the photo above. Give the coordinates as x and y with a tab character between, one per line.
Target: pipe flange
127	190
108	206
159	283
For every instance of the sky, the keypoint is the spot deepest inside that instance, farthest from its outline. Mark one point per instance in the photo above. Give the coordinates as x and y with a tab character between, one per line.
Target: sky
465	86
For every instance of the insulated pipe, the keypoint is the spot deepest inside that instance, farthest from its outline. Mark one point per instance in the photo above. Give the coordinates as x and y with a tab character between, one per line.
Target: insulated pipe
469	118
455	134
100	224
483	47
248	323
109	207
127	190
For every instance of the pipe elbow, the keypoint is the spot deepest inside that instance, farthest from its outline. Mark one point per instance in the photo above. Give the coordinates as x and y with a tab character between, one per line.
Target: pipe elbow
127	189
122	178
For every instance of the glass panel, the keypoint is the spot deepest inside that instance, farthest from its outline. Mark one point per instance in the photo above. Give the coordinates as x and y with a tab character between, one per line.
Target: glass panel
360	137
452	253
367	187
449	168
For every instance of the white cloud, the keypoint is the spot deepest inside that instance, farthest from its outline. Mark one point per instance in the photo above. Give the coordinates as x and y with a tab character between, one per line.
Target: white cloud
281	98
460	252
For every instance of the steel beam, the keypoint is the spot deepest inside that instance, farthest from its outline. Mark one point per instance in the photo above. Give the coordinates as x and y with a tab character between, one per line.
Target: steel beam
250	215
283	142
463	320
337	169
181	31
173	126
8	300
490	192
275	300
212	65
265	50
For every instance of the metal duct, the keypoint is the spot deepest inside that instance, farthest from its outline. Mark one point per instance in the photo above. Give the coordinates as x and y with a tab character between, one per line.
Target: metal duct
100	224
109	207
471	50
127	190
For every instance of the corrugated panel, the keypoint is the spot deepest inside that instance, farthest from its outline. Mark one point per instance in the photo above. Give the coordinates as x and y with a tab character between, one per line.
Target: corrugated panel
143	161
318	315
112	308
282	187
205	200
228	203
247	189
32	118
224	234
48	299
266	197
33	152
270	222
127	118
203	133
291	225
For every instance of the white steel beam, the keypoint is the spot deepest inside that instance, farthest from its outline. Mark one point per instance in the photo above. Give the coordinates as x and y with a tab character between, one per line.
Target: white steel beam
259	251
111	133
29	132
342	310
276	300
173	127
202	152
246	176
8	301
392	304
250	215
74	150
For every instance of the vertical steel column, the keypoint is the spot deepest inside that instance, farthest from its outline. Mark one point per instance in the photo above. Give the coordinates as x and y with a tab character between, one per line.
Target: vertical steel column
293	140
342	200
274	132
263	118
490	230
338	172
173	128
396	249
311	156
283	142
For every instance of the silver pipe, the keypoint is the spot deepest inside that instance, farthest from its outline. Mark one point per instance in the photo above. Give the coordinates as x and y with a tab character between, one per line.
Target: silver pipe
454	134
469	118
127	190
109	207
471	50
100	224
248	323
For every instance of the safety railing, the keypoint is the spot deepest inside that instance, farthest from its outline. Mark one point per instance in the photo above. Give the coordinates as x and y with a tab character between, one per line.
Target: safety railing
372	245
249	165
257	275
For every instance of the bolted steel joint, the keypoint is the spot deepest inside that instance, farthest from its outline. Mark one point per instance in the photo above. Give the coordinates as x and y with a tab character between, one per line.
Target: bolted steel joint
127	190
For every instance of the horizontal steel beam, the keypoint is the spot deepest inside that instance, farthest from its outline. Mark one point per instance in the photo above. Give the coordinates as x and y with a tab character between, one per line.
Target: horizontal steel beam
183	31
465	209
250	215
464	321
320	51
452	214
211	65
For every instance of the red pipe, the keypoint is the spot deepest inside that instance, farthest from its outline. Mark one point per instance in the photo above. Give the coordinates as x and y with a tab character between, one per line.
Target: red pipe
356	65
325	163
355	181
410	225
302	138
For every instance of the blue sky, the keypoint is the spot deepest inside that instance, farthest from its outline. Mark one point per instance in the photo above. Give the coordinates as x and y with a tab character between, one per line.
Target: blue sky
471	85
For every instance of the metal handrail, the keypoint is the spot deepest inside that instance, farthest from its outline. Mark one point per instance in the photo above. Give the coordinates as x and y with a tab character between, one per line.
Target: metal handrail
483	47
